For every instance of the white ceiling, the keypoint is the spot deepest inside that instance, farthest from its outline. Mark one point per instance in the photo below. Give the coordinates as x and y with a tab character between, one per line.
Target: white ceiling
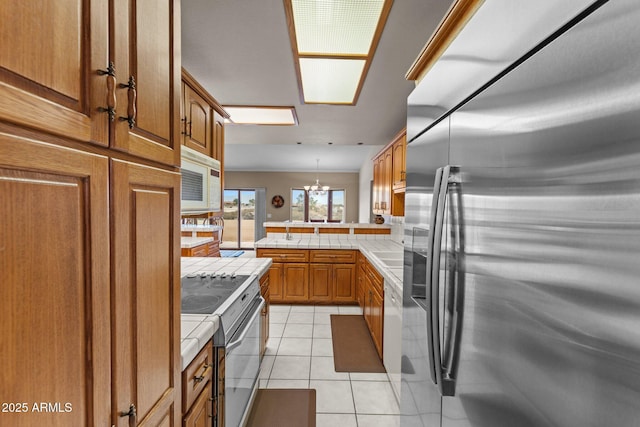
239	50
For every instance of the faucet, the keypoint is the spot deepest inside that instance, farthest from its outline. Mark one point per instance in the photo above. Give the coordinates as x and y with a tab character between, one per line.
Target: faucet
288	235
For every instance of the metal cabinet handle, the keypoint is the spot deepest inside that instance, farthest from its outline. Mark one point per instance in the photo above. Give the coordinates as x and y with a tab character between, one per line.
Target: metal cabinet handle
131	413
200	378
110	72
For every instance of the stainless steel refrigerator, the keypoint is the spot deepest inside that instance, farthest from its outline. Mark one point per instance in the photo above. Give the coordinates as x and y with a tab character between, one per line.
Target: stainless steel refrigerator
522	239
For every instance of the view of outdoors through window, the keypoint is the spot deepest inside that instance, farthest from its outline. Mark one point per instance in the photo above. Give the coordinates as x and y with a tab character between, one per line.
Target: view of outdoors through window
317	207
239	218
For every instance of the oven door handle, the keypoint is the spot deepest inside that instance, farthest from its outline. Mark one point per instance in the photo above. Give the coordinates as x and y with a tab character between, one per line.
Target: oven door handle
233	344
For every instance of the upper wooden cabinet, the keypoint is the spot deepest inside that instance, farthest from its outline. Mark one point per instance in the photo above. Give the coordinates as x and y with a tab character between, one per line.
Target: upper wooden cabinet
389	177
202	119
196	122
399	174
89	102
50	57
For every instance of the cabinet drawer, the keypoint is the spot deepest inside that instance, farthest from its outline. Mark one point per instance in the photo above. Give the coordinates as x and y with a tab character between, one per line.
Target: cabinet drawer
284	255
377	281
196	376
333	256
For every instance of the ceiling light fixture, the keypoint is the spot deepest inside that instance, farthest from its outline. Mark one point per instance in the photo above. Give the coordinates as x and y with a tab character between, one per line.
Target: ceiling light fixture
261	115
333	43
317	189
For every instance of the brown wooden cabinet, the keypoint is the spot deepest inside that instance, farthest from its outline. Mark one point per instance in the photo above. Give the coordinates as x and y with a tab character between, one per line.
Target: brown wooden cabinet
374	304
197	122
389	177
89	141
197	389
399	149
146	291
312	276
210	249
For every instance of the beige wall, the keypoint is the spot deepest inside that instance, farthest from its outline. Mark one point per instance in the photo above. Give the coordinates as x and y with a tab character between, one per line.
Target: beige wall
282	182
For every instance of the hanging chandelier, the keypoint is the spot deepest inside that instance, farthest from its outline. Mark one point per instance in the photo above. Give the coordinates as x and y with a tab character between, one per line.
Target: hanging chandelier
316	188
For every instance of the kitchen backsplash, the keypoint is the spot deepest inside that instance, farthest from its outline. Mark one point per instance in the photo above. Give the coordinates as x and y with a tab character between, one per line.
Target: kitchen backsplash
397	228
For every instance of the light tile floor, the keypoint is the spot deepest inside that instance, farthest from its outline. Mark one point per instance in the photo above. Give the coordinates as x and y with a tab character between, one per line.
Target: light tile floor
300	355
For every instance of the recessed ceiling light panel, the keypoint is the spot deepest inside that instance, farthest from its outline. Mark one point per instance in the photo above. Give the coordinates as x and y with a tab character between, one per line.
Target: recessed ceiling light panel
259	115
343	27
333	43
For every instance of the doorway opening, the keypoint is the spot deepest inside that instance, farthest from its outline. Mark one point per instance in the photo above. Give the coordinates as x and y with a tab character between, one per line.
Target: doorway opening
239	219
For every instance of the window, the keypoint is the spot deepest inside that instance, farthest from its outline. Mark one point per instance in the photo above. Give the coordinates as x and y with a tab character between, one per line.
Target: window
329	206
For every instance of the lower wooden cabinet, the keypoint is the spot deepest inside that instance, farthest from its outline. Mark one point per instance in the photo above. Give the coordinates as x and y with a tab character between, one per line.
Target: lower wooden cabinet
311	276
211	249
197	390
295	282
373	304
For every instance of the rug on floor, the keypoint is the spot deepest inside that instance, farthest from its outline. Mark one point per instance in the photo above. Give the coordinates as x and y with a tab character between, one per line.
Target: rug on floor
230	253
353	348
283	407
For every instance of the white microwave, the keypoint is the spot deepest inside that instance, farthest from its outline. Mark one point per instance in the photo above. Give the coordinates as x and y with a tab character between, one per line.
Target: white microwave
200	182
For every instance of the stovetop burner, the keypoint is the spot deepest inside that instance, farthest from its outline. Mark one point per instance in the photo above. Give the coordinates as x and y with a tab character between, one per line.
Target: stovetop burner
203	293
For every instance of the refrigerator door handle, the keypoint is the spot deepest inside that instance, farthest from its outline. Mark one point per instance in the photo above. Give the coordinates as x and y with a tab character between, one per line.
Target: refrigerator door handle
433	369
446	383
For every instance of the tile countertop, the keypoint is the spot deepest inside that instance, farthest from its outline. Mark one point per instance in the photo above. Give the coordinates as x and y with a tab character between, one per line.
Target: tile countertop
384	253
192	242
197	329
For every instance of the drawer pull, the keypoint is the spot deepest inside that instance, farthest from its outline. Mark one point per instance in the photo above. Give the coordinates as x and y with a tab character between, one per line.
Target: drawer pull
201	378
131	413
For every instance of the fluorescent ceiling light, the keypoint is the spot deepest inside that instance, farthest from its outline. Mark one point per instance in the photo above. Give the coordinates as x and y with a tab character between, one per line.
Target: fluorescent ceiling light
332	81
333	43
258	115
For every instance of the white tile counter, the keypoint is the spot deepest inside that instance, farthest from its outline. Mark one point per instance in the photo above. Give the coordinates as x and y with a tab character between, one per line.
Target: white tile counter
198	329
192	242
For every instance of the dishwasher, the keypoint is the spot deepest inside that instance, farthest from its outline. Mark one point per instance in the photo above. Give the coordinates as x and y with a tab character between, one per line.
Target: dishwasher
392	336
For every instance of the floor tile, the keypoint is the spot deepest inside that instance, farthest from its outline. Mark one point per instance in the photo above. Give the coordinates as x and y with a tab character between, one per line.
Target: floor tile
263	383
336	420
368	376
302	309
288	384
322	347
279	308
323	368
321	331
276	329
374	397
350	309
295	347
322	318
272	346
278	317
266	366
333	396
378	420
300	318
291	368
294	330
327	309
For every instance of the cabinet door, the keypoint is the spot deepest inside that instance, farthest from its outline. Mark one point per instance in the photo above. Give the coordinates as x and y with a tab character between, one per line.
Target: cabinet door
218	137
377	320
344	282
399	148
49	57
296	282
147	52
320	280
146	293
54	283
198	126
201	411
386	182
276	277
360	287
